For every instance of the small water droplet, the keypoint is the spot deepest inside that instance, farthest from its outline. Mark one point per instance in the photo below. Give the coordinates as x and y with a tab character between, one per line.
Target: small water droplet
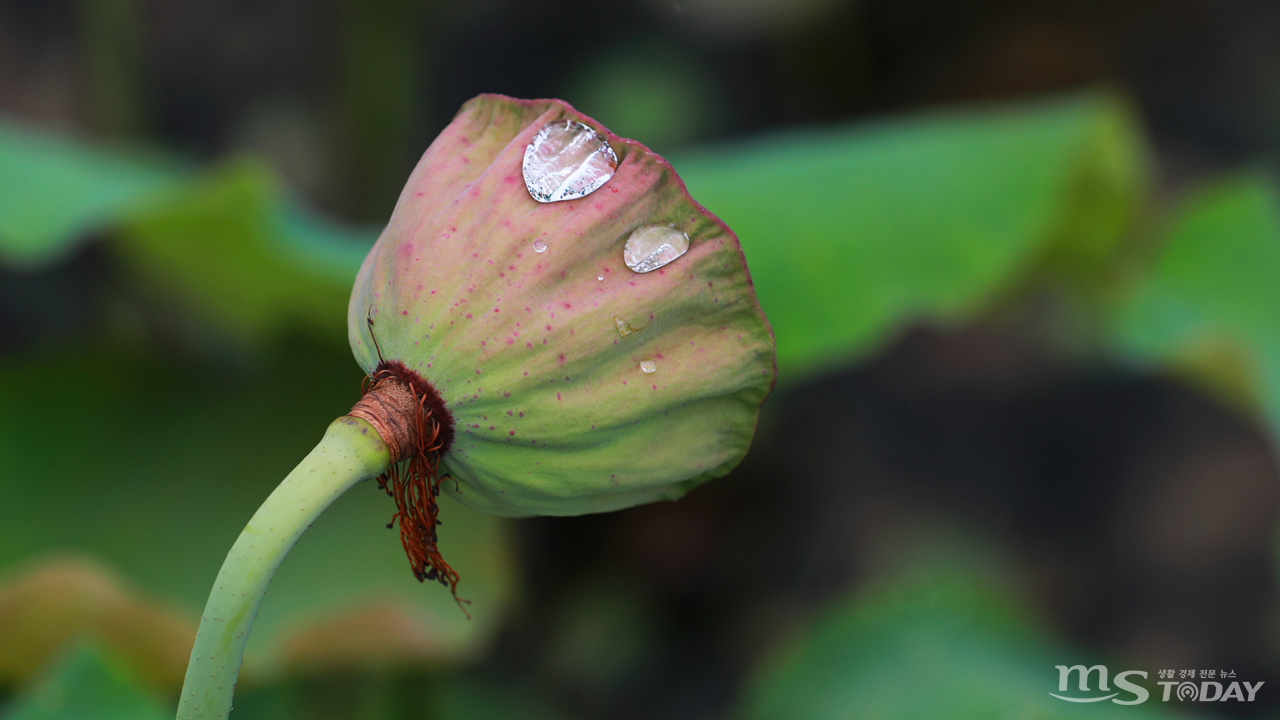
539	246
648	366
624	327
653	246
600	276
567	160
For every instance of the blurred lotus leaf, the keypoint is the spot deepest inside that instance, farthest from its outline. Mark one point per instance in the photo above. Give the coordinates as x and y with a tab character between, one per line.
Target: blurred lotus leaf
50	603
87	684
935	644
850	233
1207	307
55	193
234	255
228	246
853	233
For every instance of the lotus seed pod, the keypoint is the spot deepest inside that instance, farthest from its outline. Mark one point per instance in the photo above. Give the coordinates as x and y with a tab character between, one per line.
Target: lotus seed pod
590	331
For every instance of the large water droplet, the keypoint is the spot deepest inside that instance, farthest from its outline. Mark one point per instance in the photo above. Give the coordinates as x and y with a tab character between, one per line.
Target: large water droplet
539	246
624	327
653	246
648	366
600	276
567	160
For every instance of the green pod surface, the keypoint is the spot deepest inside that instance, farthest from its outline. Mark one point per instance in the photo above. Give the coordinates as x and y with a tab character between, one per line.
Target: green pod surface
537	359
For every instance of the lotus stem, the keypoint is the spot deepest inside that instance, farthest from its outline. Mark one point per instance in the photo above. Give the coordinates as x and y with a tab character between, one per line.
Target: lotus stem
351	451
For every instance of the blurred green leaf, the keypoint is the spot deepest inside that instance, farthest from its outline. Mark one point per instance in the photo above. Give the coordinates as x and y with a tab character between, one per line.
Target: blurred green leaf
55	192
87	685
1207	307
937	644
167	465
233	254
321	246
852	233
228	247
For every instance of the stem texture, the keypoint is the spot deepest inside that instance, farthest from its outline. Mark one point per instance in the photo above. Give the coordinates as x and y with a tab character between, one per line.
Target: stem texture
350	451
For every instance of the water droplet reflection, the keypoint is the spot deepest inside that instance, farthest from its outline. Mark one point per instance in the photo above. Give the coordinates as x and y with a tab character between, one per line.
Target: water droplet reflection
653	246
539	246
624	327
648	366
567	160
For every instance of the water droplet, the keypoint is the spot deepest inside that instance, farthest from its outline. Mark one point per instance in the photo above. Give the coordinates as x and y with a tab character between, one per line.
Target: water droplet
653	246
567	160
539	246
624	327
600	276
648	366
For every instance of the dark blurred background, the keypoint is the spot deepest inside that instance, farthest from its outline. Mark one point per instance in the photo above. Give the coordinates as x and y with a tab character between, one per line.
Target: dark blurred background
1129	515
343	96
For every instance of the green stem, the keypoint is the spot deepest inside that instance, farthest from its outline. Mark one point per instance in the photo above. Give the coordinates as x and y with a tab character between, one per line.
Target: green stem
351	451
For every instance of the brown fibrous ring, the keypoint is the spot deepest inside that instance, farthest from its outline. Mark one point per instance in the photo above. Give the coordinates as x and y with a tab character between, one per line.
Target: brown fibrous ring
417	429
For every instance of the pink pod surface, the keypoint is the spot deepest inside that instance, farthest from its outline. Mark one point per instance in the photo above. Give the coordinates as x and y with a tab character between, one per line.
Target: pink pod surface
568	393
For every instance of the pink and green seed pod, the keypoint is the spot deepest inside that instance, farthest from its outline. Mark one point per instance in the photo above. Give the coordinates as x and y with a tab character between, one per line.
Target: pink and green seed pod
572	383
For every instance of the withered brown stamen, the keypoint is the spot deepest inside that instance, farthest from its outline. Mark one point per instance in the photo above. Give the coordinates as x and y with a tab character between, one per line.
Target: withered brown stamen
412	420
